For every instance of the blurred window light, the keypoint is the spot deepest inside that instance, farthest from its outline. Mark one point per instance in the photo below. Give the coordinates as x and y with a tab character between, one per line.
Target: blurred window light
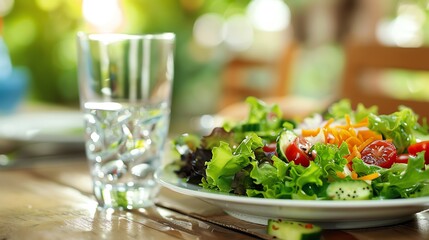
208	30
104	15
5	7
269	15
412	11
406	30
238	33
403	31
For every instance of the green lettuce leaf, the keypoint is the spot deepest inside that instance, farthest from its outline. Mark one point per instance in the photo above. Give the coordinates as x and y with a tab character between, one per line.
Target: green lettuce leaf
268	121
286	180
265	173
344	107
272	179
362	169
226	163
412	181
330	158
260	112
399	126
362	112
309	182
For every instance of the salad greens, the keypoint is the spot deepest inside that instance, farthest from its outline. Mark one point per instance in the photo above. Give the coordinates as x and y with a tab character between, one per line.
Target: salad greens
247	158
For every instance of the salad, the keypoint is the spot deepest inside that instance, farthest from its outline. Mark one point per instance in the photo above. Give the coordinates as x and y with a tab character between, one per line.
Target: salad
342	154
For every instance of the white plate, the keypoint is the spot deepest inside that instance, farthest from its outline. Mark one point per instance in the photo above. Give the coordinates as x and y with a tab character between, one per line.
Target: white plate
327	214
61	127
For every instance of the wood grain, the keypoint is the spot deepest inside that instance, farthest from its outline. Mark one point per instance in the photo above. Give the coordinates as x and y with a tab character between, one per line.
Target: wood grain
54	201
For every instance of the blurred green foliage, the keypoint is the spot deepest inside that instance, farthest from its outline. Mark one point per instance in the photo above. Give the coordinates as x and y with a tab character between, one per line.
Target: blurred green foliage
41	34
42	39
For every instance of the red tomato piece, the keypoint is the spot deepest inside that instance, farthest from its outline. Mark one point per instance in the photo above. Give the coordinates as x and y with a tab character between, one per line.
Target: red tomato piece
298	152
380	152
402	158
419	147
268	148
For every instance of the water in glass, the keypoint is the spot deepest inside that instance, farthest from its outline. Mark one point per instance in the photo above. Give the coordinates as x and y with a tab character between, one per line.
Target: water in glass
124	145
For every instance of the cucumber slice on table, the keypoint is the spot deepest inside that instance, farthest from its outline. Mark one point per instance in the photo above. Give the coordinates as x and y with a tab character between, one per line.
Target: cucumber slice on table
349	190
284	140
291	230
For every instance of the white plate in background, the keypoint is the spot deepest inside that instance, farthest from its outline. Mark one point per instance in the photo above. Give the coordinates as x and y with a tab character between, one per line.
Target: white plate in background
58	127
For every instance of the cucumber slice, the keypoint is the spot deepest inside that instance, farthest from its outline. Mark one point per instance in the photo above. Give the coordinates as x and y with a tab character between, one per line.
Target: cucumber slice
251	127
291	230
349	190
283	141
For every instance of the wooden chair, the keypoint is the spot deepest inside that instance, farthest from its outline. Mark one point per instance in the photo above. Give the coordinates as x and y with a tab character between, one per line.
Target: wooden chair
237	78
235	89
363	58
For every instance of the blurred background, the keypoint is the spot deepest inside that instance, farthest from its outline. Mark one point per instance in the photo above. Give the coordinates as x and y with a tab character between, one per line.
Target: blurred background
272	47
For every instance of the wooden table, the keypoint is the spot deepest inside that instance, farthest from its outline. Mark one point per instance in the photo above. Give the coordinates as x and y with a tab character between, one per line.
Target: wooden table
53	200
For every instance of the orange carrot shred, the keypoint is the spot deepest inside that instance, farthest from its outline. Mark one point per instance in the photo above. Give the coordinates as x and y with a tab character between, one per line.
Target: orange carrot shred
310	132
341	174
363	123
348	121
371	176
354	153
331	120
365	134
365	143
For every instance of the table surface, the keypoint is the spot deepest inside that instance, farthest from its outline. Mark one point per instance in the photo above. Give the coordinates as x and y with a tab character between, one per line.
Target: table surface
53	200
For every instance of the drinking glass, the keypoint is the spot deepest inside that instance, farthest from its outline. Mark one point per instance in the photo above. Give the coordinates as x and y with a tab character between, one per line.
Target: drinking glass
125	87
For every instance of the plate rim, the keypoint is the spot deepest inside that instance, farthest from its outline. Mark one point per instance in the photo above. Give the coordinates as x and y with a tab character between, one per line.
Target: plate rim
181	187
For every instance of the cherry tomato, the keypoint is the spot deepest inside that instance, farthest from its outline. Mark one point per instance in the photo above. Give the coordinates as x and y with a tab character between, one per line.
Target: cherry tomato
298	152
380	152
402	158
419	147
268	148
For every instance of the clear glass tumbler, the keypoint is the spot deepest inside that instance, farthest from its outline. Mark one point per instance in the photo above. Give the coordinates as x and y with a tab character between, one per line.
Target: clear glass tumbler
125	87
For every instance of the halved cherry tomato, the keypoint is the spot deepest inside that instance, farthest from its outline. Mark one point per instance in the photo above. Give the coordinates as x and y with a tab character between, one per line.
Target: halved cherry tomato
298	152
402	158
419	147
269	148
380	152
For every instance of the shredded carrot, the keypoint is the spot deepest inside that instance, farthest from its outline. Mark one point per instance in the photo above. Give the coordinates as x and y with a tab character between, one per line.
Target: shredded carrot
352	132
360	124
341	175
334	133
356	135
310	132
356	139
348	121
328	123
329	136
365	143
354	153
365	134
371	176
343	134
353	141
363	123
354	175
